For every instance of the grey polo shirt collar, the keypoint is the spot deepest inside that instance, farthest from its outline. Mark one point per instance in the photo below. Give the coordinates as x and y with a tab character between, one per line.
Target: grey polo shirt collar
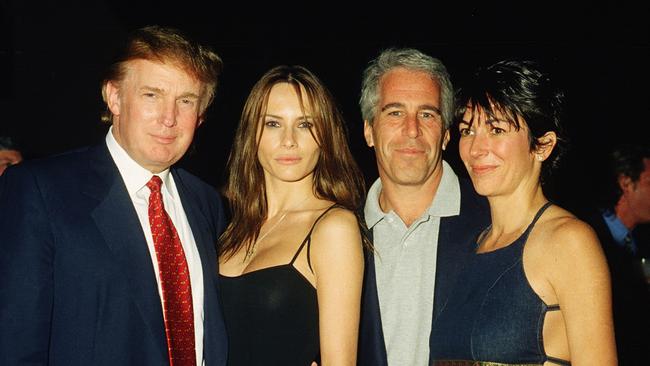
445	203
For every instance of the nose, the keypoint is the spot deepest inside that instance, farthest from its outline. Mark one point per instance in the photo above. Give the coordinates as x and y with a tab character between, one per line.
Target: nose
288	138
412	126
168	114
479	144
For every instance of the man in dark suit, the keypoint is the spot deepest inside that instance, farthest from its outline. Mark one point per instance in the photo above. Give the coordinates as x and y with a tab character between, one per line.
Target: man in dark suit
627	198
421	216
108	253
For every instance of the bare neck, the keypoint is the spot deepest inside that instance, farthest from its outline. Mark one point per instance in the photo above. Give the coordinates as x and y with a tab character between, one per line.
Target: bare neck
287	196
524	205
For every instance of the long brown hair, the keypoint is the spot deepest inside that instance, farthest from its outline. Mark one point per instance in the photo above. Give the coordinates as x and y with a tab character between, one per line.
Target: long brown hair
336	176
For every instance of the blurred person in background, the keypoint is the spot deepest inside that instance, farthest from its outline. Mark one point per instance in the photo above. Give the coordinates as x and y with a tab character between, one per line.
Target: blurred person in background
624	208
10	154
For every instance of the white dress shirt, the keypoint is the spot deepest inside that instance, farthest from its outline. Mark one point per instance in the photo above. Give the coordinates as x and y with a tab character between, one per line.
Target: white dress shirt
135	178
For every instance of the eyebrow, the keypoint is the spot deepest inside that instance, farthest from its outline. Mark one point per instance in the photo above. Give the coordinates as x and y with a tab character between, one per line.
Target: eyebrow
152	89
420	107
161	91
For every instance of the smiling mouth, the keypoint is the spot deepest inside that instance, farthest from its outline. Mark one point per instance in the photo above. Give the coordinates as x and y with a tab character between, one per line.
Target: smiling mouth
409	151
482	169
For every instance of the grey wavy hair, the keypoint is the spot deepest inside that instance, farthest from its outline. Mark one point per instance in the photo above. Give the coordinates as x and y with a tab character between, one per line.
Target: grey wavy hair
410	59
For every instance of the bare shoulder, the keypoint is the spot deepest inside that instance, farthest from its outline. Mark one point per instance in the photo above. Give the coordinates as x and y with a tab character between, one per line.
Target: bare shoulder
569	232
337	230
567	239
337	218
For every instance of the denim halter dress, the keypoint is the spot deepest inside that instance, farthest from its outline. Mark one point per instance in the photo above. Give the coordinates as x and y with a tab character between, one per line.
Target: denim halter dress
493	316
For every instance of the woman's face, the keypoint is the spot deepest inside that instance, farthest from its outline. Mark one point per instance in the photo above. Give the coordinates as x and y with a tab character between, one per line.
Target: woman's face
497	156
287	149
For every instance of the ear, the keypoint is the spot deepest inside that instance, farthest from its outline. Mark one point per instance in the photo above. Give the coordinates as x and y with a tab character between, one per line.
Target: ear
113	97
546	145
201	120
367	133
446	138
625	183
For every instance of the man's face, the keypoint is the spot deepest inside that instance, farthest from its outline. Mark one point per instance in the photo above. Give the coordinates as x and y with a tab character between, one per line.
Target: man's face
637	194
156	109
408	133
8	158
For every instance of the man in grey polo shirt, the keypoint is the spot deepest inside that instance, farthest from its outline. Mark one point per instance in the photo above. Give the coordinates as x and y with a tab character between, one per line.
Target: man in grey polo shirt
421	216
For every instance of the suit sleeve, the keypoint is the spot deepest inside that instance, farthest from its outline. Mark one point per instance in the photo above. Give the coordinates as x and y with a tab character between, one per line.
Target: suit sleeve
26	275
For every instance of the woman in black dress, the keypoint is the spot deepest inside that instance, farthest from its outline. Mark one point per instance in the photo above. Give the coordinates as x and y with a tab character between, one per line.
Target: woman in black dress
291	262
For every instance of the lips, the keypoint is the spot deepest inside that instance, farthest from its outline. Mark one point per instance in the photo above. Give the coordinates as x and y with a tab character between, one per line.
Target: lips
288	160
482	169
412	151
165	140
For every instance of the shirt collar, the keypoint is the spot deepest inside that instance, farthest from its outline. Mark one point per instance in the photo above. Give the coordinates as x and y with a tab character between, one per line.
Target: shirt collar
446	201
616	227
135	177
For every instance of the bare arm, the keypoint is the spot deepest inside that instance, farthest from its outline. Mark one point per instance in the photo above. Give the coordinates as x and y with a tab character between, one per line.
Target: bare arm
580	277
337	259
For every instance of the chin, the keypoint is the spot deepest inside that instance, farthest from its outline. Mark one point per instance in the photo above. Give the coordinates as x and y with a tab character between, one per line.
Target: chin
481	188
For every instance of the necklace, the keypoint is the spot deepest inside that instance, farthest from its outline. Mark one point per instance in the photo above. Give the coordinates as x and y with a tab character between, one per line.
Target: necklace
251	250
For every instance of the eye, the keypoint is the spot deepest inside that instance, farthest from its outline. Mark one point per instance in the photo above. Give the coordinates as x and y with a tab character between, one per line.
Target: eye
305	124
497	130
464	131
149	95
272	124
395	113
429	115
187	101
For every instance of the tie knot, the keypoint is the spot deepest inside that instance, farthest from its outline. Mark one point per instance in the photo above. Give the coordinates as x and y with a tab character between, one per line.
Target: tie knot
154	184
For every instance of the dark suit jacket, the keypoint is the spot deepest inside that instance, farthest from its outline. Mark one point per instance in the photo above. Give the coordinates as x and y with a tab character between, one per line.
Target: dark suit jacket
77	285
630	296
455	242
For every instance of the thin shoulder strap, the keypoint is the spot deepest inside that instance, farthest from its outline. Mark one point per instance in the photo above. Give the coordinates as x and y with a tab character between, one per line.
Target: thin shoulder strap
308	238
537	216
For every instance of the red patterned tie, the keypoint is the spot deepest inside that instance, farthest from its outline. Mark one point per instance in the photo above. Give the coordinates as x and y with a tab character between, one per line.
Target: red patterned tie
174	280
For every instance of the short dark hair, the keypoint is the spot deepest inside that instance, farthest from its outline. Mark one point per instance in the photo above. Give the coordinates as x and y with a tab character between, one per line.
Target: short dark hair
160	44
7	143
518	89
624	160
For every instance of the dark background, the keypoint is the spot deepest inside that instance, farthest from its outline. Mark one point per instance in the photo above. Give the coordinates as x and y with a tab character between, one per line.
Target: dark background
52	55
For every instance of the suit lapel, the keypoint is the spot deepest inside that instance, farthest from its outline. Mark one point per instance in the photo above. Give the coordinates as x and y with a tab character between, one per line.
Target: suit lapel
456	243
447	256
371	335
120	227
